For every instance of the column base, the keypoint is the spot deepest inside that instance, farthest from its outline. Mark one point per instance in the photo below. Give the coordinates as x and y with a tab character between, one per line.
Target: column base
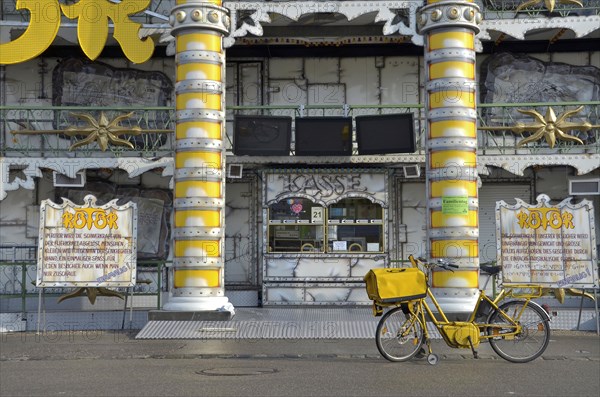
206	315
199	304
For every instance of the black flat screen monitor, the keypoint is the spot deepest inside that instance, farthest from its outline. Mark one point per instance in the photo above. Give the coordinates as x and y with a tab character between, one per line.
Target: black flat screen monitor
262	135
383	134
323	136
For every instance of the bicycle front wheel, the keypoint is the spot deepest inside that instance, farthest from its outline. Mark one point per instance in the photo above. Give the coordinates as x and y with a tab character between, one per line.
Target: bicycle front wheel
527	345
399	336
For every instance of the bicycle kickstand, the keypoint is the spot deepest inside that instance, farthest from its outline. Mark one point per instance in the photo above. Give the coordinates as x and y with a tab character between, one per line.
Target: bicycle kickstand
424	352
475	355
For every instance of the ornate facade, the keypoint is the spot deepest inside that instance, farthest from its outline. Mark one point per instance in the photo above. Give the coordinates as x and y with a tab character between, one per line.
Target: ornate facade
504	98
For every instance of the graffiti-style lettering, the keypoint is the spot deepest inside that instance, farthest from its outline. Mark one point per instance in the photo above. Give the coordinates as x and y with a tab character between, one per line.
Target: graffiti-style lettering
323	186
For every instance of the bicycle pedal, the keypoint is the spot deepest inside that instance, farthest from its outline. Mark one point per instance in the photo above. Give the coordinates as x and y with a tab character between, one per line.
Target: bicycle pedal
475	354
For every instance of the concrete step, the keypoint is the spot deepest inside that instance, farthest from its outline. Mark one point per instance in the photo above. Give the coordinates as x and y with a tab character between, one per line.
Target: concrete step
355	322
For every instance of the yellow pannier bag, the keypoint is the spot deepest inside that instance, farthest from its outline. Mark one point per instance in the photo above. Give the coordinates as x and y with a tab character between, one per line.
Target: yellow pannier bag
386	285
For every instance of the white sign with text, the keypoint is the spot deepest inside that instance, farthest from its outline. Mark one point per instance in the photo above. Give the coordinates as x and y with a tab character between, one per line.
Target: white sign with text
554	246
87	245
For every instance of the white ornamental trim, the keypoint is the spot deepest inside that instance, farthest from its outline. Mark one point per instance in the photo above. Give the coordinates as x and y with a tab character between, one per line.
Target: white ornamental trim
517	28
516	164
32	168
350	9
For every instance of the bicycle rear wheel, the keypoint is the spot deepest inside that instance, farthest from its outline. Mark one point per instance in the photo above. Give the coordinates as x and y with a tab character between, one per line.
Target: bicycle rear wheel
533	339
399	336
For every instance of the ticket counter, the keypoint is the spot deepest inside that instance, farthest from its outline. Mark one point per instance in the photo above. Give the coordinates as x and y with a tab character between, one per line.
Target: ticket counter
322	231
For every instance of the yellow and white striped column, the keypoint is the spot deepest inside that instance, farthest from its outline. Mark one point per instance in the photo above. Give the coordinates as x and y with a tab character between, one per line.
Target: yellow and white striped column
449	29
197	282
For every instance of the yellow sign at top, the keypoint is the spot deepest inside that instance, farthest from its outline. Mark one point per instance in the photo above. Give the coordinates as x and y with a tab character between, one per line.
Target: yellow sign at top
544	217
90	218
92	29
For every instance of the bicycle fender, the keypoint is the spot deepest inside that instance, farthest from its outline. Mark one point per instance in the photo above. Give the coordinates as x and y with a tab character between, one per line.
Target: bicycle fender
546	315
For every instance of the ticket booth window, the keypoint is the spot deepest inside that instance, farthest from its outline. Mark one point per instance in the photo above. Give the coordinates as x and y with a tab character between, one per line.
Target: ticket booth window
355	225
352	225
296	225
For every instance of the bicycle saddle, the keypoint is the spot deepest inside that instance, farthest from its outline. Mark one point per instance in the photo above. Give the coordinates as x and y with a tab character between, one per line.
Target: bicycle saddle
489	268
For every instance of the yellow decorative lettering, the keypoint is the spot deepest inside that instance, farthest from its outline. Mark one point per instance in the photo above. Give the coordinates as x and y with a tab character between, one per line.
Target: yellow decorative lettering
92	27
42	29
68	220
90	217
80	219
544	217
523	220
112	220
567	220
555	220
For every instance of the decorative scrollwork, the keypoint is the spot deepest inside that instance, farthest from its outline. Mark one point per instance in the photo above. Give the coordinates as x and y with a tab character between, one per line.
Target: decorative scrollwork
101	131
550	4
91	293
246	21
548	126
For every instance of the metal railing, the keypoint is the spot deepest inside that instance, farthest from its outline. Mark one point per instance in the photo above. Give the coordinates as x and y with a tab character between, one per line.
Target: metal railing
17	280
507	9
44	131
495	139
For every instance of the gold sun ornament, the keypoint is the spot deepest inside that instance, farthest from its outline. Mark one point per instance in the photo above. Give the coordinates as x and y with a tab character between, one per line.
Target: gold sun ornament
101	131
91	293
550	4
550	127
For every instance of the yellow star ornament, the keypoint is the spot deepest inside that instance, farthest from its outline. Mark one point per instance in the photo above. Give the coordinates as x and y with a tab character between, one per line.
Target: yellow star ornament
102	131
550	127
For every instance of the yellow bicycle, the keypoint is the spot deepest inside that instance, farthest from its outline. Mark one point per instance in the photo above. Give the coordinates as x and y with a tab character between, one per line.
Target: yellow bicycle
518	330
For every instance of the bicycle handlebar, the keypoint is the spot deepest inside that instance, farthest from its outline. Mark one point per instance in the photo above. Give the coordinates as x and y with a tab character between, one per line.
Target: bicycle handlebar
444	264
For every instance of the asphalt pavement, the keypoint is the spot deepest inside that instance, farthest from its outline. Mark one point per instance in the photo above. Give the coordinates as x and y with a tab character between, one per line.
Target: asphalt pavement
115	363
72	345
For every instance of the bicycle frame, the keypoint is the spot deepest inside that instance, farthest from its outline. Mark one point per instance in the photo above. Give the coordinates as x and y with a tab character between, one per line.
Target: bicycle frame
516	329
508	330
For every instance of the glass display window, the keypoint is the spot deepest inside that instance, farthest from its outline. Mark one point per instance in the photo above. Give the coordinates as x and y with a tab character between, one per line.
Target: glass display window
352	225
296	225
355	225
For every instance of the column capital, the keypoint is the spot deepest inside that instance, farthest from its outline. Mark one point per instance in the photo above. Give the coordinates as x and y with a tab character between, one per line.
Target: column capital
449	14
199	15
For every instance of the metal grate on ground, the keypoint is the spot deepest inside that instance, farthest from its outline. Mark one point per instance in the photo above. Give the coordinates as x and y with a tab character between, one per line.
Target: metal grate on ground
265	323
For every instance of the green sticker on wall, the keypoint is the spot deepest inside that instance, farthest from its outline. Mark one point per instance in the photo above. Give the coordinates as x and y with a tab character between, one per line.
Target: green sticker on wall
455	205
